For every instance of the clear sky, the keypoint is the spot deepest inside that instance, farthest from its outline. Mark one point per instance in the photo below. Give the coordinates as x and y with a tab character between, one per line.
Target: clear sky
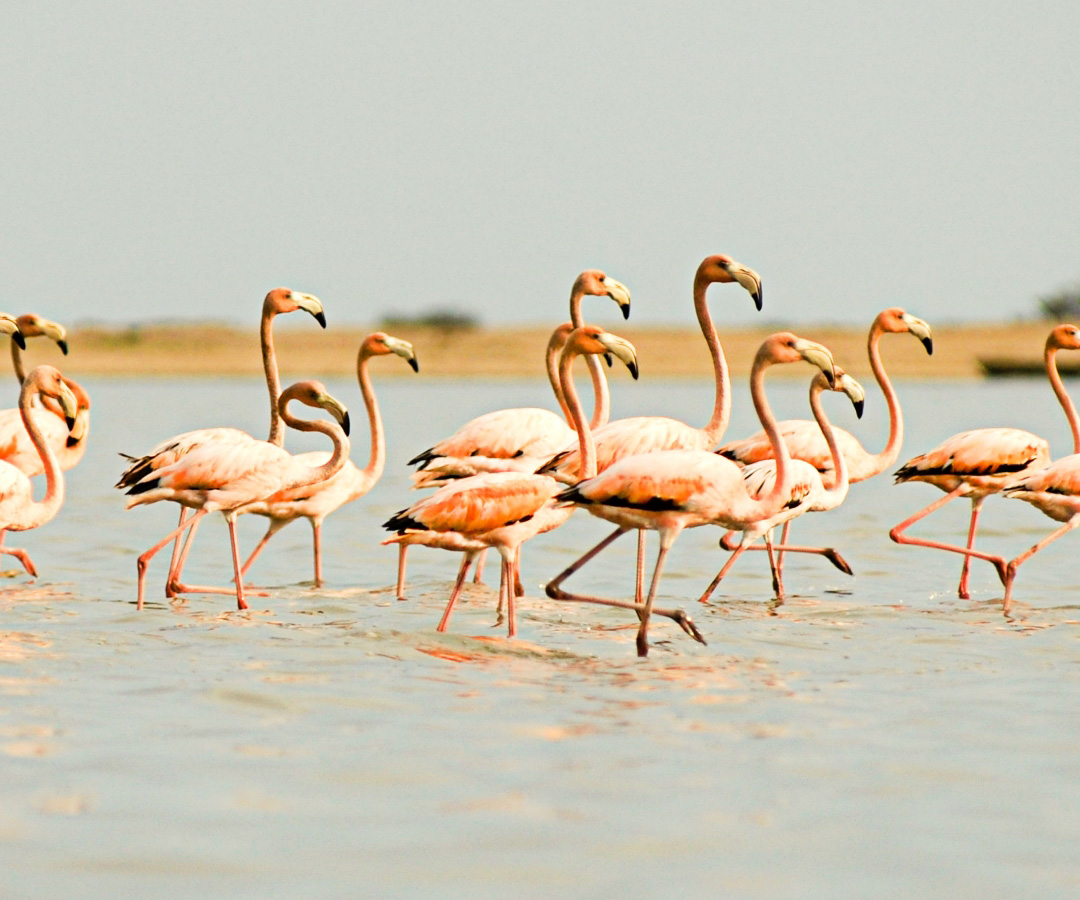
177	160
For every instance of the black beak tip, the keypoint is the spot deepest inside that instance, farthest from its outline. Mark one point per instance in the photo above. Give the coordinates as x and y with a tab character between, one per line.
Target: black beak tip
345	424
633	370
19	340
63	347
757	299
609	360
70	422
928	343
320	318
858	404
626	311
415	365
831	378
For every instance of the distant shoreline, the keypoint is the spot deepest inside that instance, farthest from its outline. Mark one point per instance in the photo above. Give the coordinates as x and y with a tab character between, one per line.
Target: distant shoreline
664	352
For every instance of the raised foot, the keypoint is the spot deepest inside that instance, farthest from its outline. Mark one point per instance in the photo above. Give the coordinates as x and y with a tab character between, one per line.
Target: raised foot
837	560
680	617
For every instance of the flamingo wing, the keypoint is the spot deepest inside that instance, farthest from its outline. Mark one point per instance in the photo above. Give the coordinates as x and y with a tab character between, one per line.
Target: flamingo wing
503	434
981	452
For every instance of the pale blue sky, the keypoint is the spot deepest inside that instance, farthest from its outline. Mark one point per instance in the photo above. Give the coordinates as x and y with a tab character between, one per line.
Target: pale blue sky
178	160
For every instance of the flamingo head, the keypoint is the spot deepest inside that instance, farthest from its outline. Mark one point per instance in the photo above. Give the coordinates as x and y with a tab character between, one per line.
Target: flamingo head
379	343
283	300
596	283
1064	337
315	395
896	321
48	382
724	269
10	325
785	347
33	325
843	383
593	339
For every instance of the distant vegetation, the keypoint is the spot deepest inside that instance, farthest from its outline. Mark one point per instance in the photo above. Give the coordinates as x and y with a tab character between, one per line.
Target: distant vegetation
442	318
1061	306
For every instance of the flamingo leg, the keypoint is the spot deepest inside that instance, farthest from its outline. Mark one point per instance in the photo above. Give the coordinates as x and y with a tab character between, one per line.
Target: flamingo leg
240	602
828	552
555	592
176	587
275	526
144	560
962	589
401	571
316	539
783	541
777	577
174	574
639	584
176	546
666	540
1030	552
478	573
509	571
21	555
463	570
738	551
897	534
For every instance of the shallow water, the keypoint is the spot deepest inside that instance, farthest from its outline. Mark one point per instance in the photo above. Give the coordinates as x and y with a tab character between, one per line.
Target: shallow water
875	736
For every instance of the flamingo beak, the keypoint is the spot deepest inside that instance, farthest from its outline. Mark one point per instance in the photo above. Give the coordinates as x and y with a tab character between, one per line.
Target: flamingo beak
921	330
623	349
309	303
749	279
336	408
68	404
855	392
405	350
9	325
818	355
619	292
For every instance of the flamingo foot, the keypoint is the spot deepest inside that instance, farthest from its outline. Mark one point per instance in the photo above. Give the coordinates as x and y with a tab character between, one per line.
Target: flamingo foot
837	560
680	618
23	557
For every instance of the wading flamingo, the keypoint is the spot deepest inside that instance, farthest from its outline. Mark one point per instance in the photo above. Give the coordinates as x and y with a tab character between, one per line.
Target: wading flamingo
646	434
519	439
983	461
504	509
316	501
805	441
226	476
808	491
670	490
18	511
278	301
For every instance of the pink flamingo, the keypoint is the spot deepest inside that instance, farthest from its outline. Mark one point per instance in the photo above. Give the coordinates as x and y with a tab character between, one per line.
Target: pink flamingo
669	490
227	476
646	434
808	492
505	509
519	439
18	511
316	501
983	461
805	441
171	450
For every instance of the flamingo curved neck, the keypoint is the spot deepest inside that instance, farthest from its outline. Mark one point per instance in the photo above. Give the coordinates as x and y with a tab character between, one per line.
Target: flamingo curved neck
377	460
1050	359
17	363
721	413
273	382
312	474
586	445
779	495
601	396
40	513
838	491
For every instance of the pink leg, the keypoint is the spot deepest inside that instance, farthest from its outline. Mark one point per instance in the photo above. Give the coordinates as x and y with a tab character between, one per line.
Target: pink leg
639	585
316	538
897	534
462	572
780	549
509	570
737	552
176	587
828	552
962	590
240	602
275	526
174	575
144	560
478	573
777	578
554	591
667	538
401	570
21	555
1030	552
176	546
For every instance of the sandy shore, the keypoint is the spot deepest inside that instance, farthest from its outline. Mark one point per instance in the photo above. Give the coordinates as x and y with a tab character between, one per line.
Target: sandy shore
162	350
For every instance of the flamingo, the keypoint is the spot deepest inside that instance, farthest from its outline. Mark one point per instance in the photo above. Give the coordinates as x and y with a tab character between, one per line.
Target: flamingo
669	490
277	302
227	476
504	509
316	501
983	461
519	439
18	510
808	493
646	434
805	441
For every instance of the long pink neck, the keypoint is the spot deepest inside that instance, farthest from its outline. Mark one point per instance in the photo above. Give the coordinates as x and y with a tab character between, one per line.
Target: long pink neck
377	461
721	413
838	491
601	396
40	513
586	445
884	459
313	474
779	495
17	363
551	366
1050	358
270	368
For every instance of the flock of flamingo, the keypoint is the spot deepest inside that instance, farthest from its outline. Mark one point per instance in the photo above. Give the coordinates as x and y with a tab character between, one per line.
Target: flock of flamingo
507	476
